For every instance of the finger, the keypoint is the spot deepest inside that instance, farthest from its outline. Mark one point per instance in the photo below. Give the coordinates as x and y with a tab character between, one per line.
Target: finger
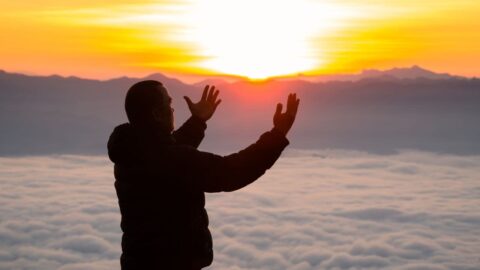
215	95
294	104
189	102
205	91
290	101
278	111
216	104
295	107
210	93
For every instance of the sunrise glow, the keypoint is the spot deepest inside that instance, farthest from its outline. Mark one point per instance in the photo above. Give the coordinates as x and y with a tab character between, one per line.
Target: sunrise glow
259	39
254	39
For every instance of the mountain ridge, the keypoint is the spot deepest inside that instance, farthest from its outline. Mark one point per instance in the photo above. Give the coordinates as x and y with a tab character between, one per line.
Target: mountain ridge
395	73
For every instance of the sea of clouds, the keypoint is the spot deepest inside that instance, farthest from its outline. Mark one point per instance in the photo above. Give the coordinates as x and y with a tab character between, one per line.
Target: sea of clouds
312	210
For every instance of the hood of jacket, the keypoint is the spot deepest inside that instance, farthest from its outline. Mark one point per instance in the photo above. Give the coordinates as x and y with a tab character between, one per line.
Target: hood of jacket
121	144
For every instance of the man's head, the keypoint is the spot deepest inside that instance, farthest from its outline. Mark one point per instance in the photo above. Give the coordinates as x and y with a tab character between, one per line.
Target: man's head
148	104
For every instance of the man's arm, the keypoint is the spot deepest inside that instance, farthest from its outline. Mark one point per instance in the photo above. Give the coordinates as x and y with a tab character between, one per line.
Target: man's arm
193	130
214	173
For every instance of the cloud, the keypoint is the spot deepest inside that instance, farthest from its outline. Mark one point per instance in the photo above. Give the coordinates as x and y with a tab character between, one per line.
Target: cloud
325	209
346	261
83	244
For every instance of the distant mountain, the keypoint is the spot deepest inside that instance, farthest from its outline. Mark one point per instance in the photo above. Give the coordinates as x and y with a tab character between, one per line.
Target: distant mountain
212	81
414	72
53	114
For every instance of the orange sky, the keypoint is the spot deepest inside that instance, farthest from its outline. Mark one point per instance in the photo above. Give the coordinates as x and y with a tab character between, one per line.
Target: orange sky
253	38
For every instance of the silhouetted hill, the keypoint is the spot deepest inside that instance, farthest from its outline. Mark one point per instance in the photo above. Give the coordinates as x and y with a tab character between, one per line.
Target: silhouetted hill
405	73
53	114
414	72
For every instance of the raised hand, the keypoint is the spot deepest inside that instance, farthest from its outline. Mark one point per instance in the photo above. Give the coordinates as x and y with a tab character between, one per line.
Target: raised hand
284	121
207	105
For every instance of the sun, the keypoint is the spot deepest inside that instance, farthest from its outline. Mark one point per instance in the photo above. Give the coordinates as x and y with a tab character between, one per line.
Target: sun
260	38
257	39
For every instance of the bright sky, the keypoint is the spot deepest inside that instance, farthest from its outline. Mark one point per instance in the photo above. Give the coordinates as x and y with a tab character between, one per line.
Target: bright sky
252	38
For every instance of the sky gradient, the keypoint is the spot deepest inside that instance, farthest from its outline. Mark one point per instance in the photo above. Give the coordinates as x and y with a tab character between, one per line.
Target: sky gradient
256	39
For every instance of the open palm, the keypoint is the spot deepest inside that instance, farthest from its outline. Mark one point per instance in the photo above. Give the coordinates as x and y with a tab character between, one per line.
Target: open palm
207	105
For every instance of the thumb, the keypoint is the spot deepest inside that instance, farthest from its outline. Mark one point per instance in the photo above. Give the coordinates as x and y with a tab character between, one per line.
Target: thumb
189	102
278	111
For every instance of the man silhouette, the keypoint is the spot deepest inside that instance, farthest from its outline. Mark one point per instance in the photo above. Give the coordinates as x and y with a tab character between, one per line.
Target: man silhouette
161	177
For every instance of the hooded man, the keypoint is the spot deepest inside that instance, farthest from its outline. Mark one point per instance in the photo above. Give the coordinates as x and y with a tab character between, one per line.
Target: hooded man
161	177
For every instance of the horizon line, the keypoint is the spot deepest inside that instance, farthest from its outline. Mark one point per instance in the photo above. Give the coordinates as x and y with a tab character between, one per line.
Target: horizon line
237	78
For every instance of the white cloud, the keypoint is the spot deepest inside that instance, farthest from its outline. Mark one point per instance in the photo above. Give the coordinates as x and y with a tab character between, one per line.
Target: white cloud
314	210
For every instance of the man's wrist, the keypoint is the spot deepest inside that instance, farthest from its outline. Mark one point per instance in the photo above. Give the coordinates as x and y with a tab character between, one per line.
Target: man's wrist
277	130
275	137
197	121
198	118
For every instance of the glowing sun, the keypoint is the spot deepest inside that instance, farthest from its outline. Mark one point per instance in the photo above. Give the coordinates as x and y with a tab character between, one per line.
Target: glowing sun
260	39
252	38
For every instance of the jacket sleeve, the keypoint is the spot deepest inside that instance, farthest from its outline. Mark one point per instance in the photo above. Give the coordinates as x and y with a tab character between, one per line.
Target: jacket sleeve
214	173
191	133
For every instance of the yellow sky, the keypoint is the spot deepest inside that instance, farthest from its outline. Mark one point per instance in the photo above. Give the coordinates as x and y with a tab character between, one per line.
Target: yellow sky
253	38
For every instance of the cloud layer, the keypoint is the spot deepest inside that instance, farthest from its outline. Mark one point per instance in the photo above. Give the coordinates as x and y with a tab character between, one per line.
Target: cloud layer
313	210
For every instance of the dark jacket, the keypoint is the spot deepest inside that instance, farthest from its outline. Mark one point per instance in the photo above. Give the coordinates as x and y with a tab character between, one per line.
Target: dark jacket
160	182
